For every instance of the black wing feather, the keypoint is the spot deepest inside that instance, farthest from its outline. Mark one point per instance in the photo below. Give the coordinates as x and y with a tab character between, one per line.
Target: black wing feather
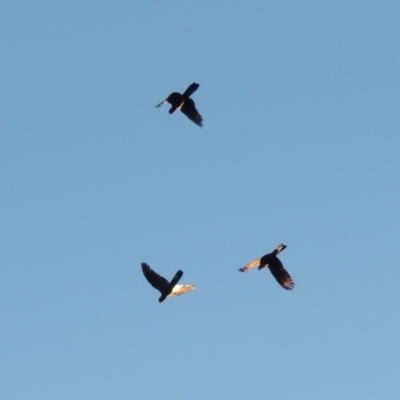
189	109
176	278
157	281
280	274
191	89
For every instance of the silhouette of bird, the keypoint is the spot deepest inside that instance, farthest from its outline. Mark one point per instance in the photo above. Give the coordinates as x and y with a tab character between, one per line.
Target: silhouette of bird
166	288
184	103
275	265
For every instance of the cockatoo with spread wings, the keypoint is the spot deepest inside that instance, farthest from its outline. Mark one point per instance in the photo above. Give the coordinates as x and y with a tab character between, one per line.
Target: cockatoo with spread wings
275	265
167	289
184	103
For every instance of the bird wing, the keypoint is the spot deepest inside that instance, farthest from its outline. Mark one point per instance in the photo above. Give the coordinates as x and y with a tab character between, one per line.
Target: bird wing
176	278
250	265
189	109
181	289
157	281
191	89
280	274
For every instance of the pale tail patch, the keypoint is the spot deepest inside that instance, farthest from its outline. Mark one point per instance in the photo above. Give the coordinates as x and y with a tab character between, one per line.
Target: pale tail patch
181	289
250	265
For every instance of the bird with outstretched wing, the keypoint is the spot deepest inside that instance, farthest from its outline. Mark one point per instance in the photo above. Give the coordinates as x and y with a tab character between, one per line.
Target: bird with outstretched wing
184	103
167	289
275	265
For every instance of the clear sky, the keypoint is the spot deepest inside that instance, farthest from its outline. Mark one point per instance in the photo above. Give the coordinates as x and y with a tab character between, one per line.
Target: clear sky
300	145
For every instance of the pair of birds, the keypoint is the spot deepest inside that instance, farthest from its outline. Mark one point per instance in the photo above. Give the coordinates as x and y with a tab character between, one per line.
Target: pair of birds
172	288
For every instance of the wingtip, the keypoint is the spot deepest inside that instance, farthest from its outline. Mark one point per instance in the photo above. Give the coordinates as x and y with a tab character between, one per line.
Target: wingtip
288	284
281	247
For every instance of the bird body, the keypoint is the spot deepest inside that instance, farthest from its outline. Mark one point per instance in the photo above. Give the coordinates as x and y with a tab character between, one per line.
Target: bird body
167	289
275	265
184	103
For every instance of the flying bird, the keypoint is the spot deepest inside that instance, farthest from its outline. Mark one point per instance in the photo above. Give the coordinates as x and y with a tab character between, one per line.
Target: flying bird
275	265
184	103
166	288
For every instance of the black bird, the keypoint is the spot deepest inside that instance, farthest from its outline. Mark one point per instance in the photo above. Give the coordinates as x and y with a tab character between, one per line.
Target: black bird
184	103
166	288
275	266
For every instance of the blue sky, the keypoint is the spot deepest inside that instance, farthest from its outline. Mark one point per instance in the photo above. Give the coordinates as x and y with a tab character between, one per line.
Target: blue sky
300	145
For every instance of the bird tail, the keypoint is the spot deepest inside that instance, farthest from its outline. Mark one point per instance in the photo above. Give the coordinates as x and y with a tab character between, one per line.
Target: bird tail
181	289
250	265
